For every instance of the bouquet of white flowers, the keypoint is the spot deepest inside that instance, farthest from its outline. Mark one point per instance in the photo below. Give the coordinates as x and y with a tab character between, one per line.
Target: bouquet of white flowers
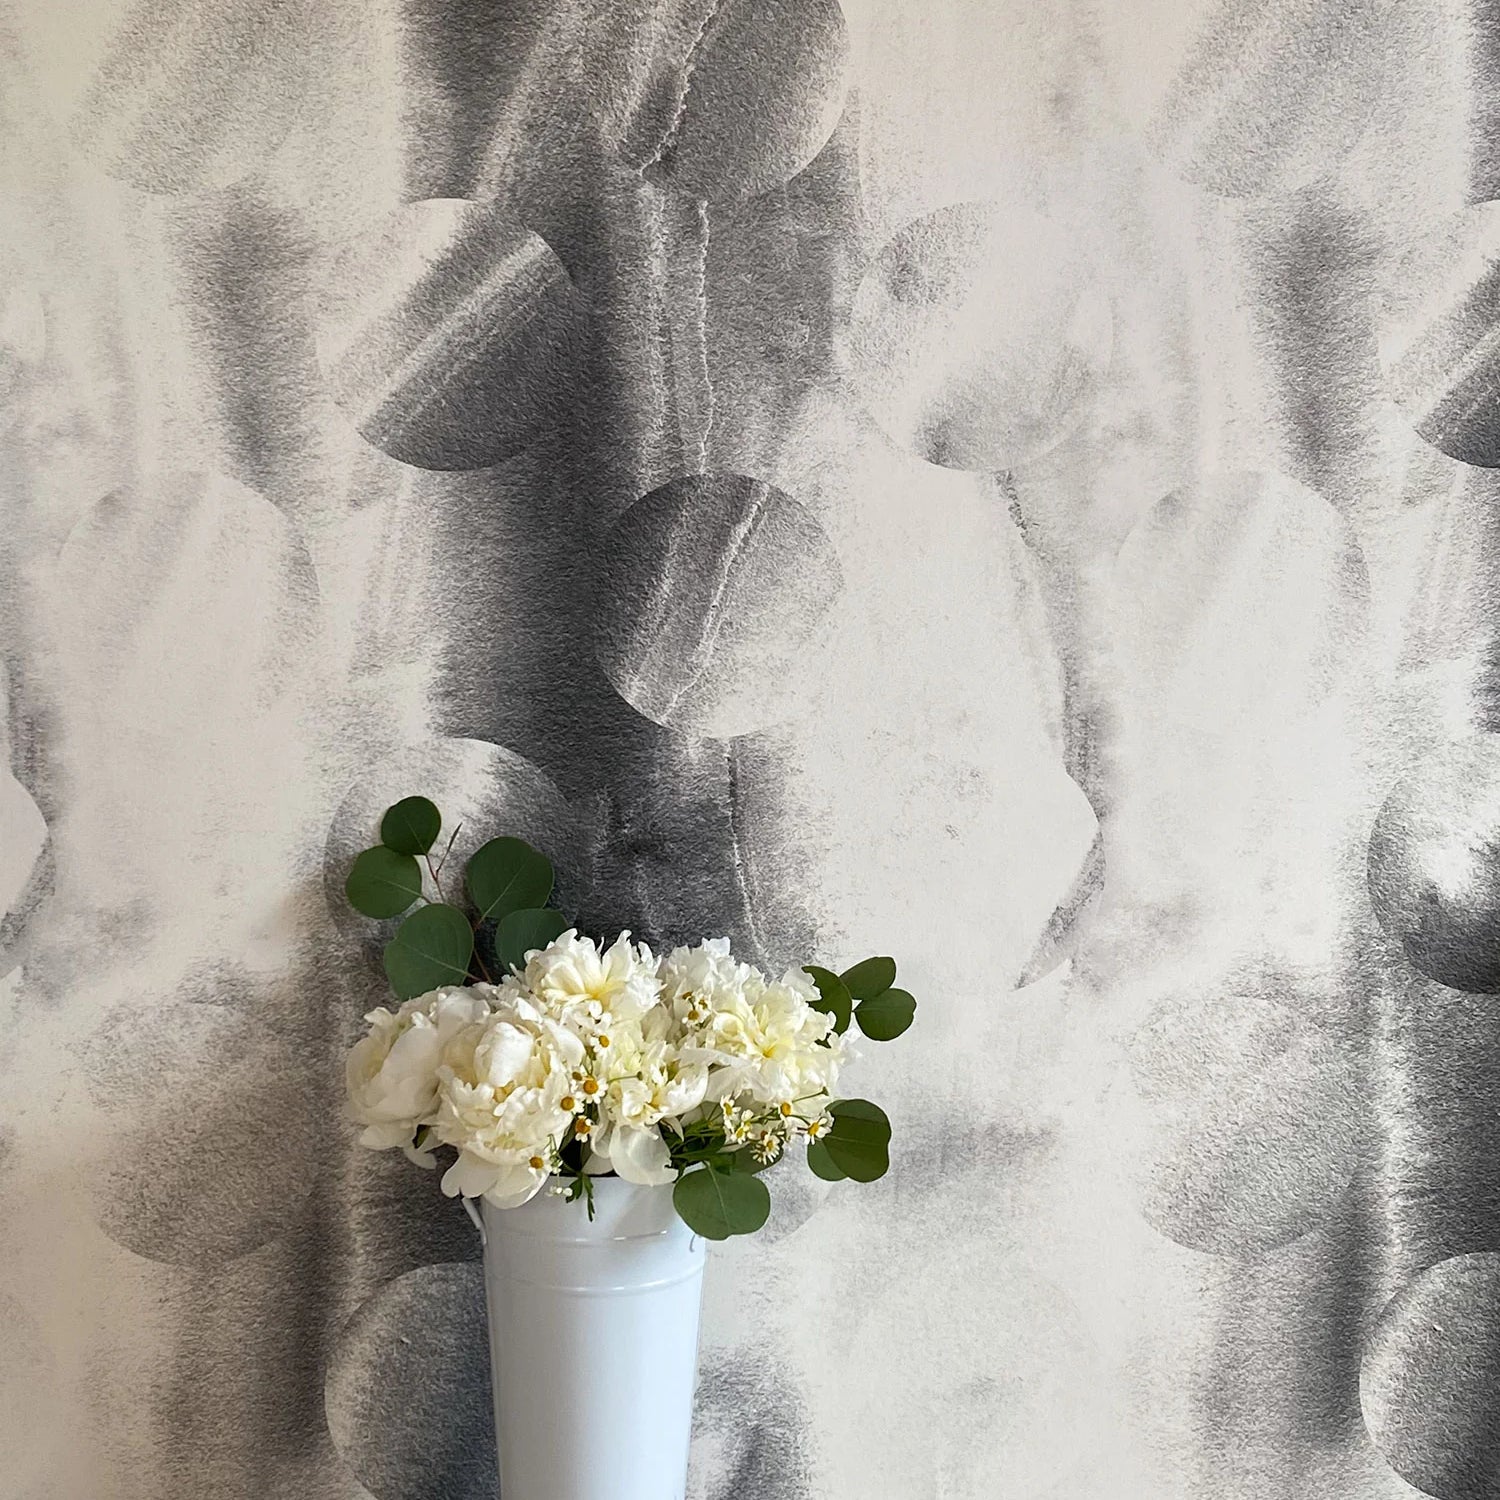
540	1056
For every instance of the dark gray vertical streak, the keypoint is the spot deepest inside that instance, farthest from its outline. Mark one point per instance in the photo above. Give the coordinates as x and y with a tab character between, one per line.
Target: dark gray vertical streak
522	547
519	545
782	269
239	1403
1483	36
1280	1388
1310	273
243	277
461	61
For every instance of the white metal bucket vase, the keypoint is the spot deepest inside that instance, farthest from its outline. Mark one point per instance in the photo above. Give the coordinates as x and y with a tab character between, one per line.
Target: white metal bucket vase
593	1344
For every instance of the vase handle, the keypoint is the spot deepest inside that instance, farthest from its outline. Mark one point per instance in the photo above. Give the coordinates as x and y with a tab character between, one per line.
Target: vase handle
474	1215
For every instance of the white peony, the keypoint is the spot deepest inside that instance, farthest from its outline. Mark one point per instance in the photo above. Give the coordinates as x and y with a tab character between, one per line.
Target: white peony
590	988
505	1100
759	1037
391	1073
648	1084
695	980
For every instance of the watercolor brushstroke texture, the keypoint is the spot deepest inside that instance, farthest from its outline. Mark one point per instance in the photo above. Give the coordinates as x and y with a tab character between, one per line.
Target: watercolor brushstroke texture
1012	482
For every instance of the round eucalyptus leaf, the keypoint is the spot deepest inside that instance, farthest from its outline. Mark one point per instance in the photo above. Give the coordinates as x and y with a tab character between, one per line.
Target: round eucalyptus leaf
719	1204
885	1017
833	993
507	875
383	883
859	1142
822	1164
872	977
522	932
411	826
431	947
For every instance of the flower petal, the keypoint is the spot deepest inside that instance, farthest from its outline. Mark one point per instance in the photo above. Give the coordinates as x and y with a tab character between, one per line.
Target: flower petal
640	1156
470	1175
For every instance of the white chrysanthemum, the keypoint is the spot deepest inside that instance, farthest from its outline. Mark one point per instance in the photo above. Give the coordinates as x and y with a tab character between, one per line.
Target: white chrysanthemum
764	1038
391	1073
574	981
648	1084
504	1101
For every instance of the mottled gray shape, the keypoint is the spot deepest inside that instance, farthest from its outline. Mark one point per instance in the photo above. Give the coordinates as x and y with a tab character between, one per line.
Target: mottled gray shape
1256	1123
727	98
715	601
449	334
407	1395
1430	1379
979	335
191	94
1249	100
1437	340
209	1134
750	1432
185	555
1205	560
1434	864
484	791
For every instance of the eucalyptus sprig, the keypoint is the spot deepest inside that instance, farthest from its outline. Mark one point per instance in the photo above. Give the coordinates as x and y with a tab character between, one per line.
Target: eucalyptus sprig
508	884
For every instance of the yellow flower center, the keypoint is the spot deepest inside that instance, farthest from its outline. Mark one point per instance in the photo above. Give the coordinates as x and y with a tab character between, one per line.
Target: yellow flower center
536	1164
582	1126
569	1103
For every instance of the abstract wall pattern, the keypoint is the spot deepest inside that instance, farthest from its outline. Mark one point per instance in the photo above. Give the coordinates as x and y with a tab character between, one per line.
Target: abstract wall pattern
1012	483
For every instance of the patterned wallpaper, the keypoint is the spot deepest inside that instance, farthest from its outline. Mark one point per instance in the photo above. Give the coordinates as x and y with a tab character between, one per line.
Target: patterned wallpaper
1003	482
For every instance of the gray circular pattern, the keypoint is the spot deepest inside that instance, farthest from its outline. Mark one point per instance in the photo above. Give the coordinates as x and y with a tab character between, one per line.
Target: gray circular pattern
1436	335
716	596
407	1395
448	334
209	1133
190	94
979	335
1429	1382
1434	864
1255	1127
733	97
483	791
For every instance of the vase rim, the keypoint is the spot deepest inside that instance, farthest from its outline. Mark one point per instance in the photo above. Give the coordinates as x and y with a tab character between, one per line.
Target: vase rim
622	1210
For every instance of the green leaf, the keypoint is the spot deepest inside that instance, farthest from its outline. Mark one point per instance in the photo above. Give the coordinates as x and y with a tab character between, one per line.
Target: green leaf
719	1204
885	1017
834	993
507	875
823	1164
383	883
873	977
522	931
431	947
411	826
859	1142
